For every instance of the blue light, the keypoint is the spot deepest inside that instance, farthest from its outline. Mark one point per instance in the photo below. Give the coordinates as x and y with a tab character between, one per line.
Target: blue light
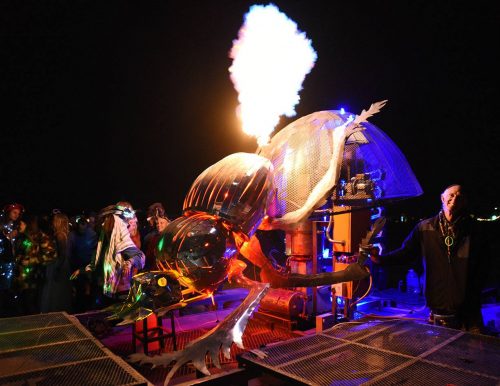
342	111
380	248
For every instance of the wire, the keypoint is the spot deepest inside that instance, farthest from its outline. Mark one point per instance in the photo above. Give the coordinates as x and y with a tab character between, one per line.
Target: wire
365	294
401	316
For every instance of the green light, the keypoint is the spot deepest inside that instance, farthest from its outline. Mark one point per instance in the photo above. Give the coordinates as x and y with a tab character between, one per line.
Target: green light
160	244
138	295
27	243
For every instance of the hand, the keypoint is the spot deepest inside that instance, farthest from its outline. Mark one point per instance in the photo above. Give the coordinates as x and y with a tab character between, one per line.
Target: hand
126	269
374	255
74	275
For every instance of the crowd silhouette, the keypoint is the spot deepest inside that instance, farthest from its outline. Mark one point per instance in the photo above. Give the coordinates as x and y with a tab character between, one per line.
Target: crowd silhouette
55	262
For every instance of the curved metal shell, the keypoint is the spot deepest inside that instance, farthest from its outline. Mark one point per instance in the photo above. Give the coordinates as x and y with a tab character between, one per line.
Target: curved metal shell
237	189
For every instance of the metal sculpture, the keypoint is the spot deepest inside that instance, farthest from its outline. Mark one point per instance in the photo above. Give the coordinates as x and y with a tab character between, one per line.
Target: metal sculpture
230	200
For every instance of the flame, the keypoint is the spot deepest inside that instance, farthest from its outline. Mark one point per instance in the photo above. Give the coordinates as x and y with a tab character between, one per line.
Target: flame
271	58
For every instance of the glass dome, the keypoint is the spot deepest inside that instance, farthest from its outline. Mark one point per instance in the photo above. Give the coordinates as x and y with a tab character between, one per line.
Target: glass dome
373	168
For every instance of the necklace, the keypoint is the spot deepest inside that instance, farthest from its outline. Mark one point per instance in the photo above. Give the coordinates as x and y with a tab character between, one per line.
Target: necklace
447	232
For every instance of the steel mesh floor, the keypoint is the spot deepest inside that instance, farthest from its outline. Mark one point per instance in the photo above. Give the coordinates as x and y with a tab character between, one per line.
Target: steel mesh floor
40	337
54	349
35	358
100	372
355	330
32	322
477	353
344	365
383	353
423	374
409	338
284	353
256	335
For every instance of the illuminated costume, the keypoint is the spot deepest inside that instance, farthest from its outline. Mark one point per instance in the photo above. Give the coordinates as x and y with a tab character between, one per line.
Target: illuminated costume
453	273
116	252
9	226
35	251
6	262
8	233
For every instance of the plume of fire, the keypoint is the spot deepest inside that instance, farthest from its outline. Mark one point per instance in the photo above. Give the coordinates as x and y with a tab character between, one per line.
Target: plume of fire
271	58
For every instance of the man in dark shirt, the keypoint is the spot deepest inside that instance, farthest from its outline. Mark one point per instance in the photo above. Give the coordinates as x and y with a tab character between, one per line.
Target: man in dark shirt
82	245
454	255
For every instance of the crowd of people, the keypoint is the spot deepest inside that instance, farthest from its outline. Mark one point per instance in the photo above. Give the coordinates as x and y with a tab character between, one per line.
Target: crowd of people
59	263
56	263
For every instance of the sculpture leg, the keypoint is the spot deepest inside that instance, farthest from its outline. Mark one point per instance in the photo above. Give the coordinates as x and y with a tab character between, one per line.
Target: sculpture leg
252	251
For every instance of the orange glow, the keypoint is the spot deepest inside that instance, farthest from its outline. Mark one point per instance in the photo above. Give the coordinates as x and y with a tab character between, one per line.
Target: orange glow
236	268
271	58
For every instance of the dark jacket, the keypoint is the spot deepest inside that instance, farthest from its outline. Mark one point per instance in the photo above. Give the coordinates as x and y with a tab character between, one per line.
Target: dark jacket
453	280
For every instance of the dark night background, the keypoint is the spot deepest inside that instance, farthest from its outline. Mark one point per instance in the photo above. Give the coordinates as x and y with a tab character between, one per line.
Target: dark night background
104	101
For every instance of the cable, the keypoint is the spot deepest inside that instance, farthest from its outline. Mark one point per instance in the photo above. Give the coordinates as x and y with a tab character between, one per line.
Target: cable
365	294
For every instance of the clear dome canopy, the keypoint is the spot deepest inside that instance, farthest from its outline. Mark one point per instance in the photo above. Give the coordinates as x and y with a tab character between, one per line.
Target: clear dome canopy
373	168
320	156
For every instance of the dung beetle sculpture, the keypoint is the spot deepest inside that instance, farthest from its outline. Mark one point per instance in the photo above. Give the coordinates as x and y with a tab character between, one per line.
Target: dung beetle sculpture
278	188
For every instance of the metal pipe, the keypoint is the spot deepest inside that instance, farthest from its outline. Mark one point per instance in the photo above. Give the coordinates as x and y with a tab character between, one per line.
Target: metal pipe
327	234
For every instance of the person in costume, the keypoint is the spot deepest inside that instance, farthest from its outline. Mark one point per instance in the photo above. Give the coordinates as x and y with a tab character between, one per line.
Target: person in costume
116	255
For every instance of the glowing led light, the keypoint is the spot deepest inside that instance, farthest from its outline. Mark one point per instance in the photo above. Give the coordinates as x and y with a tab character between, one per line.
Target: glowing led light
342	111
379	247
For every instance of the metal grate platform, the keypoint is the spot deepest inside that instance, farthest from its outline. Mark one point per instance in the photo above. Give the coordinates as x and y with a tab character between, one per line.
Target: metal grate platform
54	349
382	352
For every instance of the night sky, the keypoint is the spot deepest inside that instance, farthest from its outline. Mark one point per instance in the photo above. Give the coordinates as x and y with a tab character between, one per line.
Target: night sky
111	100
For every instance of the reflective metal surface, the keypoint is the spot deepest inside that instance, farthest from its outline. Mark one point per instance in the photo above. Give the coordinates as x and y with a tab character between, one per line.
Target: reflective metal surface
236	189
382	352
150	292
55	349
199	248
